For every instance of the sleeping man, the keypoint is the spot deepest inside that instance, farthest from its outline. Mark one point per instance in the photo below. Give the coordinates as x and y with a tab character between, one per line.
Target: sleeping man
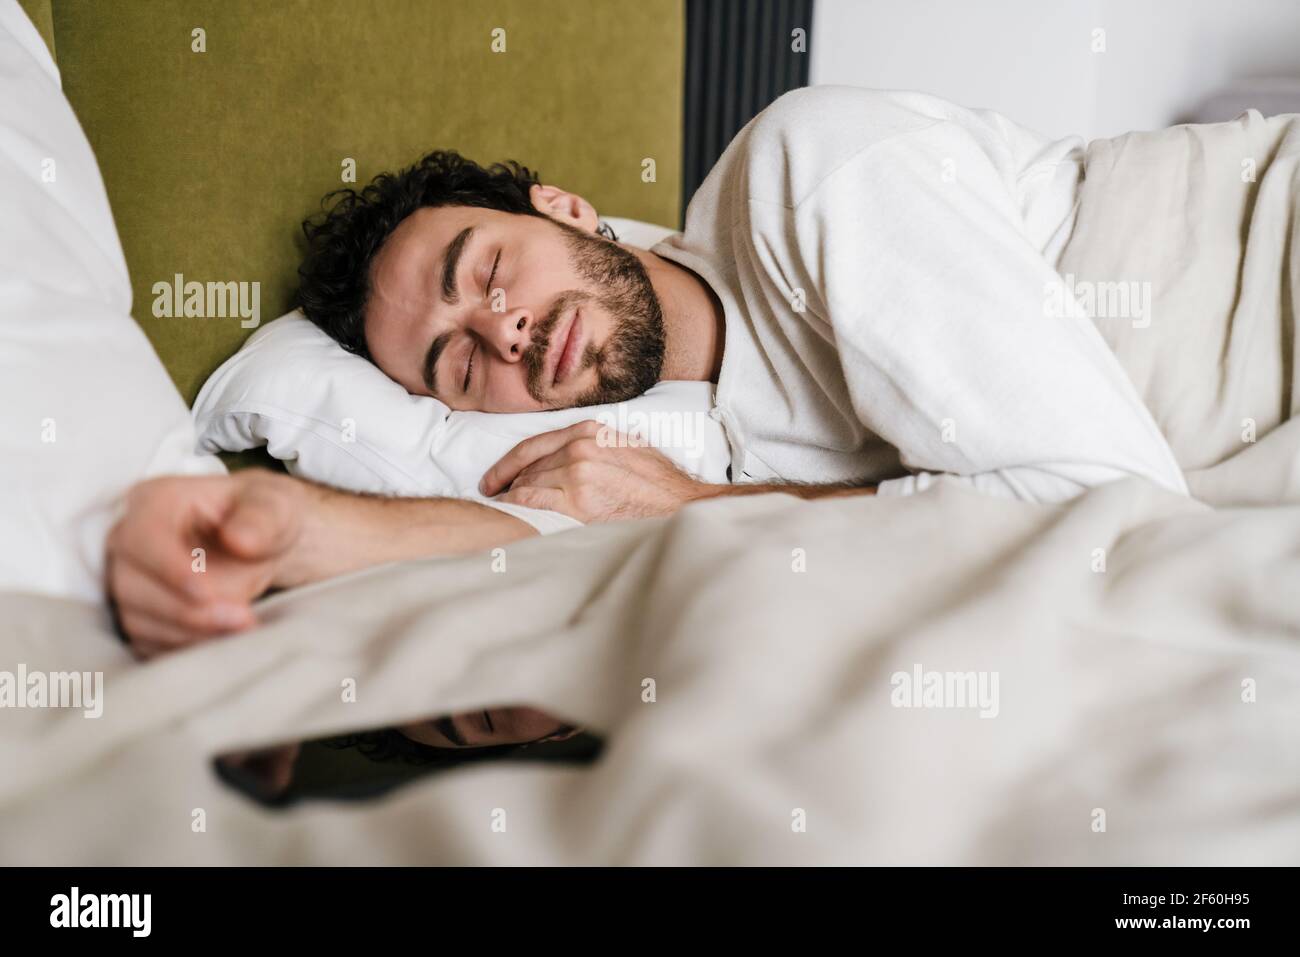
862	276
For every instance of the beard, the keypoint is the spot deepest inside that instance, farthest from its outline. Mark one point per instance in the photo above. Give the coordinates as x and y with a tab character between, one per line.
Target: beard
632	356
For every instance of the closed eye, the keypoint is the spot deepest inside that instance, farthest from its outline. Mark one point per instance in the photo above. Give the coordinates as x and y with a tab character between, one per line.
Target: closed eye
487	291
469	369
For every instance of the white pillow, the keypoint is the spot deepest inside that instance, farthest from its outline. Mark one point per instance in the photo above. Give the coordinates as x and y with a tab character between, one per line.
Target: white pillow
335	418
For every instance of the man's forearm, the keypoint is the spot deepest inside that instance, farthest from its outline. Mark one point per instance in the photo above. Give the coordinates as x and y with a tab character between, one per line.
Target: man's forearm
343	532
838	490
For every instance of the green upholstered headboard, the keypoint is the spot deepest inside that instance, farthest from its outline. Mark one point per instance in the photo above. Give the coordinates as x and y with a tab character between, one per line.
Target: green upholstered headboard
213	158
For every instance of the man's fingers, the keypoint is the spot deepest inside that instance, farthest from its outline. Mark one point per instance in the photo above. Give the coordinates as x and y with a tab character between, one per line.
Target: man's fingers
163	529
575	451
532	496
149	635
529	451
560	476
190	555
165	555
137	591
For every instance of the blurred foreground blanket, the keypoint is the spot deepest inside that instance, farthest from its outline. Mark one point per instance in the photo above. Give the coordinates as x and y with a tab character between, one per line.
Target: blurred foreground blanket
1146	650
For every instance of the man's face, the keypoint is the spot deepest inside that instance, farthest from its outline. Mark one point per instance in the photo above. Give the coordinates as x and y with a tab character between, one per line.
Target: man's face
502	312
488	728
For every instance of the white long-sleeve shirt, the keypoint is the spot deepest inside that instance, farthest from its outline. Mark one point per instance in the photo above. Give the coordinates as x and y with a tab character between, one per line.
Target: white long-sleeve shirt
884	261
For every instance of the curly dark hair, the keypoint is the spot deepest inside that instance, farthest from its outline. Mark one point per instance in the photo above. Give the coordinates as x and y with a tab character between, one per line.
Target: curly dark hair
334	278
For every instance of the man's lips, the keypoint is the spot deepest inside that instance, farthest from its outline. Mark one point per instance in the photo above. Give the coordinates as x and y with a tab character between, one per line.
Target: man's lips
567	349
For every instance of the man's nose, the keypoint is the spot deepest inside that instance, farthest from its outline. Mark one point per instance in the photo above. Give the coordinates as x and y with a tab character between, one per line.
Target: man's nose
508	333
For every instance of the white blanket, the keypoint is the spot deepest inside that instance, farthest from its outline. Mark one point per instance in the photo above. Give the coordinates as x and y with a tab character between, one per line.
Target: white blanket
1202	224
1159	698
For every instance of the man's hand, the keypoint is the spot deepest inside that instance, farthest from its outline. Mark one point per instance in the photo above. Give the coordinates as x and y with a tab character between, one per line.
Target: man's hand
593	473
190	555
259	530
596	474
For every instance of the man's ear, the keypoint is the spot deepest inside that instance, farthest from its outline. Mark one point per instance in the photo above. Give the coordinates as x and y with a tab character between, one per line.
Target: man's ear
566	207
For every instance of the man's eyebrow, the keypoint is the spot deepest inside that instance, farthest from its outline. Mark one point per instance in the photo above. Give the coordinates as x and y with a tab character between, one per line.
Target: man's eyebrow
431	361
451	262
447	728
451	296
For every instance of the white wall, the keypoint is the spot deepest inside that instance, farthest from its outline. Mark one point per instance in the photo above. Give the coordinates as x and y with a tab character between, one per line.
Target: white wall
1033	59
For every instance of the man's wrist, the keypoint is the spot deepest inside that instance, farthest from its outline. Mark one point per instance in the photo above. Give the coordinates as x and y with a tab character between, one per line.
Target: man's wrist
296	567
342	531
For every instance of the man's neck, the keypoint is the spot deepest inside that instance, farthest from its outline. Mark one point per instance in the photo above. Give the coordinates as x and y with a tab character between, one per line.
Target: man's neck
694	323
